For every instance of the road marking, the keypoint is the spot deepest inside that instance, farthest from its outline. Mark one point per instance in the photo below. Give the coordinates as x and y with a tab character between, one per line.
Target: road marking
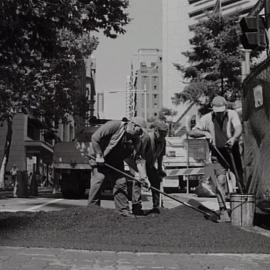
42	205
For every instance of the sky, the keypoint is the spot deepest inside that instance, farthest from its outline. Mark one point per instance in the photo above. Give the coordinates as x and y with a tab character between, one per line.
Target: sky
114	56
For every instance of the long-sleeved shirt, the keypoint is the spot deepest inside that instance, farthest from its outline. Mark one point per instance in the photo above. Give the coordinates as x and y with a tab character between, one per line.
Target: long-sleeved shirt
233	125
107	137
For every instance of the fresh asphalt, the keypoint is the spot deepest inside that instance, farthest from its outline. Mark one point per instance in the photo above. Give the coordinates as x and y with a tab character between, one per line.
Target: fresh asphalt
54	259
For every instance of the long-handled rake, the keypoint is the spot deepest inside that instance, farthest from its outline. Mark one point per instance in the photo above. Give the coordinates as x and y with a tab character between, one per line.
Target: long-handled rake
211	215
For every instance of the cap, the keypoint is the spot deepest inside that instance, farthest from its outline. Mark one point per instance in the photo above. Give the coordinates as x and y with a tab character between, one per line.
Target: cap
139	121
160	125
219	104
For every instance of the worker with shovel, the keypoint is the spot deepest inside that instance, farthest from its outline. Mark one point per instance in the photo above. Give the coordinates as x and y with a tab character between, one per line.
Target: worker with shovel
112	143
222	127
152	150
155	173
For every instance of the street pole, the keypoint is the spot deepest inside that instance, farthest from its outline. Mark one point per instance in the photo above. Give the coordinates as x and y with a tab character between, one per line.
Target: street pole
267	19
245	70
245	64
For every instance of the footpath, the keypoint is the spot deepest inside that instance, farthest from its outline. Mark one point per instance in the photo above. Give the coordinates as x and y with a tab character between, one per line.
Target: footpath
19	258
28	258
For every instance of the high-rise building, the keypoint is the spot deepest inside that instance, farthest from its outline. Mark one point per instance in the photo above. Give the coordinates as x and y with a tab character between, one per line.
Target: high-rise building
90	91
178	16
200	8
147	93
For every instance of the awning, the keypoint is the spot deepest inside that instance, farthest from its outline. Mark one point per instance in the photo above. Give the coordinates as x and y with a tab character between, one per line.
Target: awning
39	148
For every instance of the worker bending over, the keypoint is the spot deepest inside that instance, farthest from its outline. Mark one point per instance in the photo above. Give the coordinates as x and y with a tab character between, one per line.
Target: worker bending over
152	150
112	143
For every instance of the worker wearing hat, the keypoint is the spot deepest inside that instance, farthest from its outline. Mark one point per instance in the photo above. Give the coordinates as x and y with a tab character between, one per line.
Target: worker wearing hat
112	143
154	166
223	128
152	150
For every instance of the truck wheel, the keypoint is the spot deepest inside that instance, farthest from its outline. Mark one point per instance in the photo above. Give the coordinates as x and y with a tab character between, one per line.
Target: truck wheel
67	189
81	193
72	189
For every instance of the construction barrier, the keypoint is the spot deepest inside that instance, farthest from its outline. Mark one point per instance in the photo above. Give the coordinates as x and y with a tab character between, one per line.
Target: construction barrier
186	171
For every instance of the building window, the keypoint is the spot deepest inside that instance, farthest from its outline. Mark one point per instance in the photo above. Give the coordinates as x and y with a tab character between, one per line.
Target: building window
33	129
144	82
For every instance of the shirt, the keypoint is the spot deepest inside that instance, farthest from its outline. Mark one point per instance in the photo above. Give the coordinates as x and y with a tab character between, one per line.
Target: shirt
206	124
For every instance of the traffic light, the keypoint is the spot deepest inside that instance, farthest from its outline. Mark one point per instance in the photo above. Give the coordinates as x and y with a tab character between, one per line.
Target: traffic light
253	32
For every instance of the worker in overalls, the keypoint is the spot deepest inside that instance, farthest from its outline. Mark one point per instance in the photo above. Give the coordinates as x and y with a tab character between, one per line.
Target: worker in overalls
153	146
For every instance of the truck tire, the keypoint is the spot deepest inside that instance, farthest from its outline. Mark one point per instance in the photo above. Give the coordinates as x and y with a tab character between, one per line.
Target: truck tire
67	188
72	188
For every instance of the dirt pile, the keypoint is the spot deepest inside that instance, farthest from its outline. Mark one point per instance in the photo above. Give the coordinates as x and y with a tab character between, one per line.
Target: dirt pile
175	230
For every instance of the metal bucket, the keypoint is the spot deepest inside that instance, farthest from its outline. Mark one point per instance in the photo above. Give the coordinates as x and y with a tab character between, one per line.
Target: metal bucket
242	209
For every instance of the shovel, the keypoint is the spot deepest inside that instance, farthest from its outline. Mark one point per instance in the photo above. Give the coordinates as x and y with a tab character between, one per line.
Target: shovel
210	214
241	189
234	169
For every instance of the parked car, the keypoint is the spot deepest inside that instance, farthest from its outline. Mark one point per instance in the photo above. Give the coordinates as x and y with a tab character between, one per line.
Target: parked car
70	164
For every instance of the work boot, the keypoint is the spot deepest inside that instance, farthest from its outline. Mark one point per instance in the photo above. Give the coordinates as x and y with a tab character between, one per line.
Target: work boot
224	217
126	214
96	202
137	210
155	211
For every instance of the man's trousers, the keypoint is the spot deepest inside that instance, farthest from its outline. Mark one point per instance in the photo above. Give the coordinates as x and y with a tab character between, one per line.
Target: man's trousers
119	182
155	180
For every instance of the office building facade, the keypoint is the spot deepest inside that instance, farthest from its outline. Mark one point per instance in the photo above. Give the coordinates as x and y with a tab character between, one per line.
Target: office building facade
148	96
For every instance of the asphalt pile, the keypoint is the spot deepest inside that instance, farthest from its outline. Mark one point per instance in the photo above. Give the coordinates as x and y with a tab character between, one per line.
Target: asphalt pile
92	228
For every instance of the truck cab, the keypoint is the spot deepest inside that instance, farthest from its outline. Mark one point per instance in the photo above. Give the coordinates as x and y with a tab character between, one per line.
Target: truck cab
71	165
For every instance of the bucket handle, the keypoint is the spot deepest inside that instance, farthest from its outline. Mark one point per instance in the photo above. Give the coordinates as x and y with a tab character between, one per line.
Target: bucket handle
246	199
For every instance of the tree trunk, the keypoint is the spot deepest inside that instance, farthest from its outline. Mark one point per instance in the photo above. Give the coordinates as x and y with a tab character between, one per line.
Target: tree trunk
6	153
222	85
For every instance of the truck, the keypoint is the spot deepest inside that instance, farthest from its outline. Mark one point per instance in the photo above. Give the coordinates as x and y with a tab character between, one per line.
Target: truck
71	165
184	162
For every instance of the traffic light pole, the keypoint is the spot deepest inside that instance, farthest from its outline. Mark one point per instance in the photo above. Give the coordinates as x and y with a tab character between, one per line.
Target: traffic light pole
267	19
245	64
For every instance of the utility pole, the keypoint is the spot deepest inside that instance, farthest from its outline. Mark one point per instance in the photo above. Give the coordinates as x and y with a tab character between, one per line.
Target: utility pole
245	64
267	19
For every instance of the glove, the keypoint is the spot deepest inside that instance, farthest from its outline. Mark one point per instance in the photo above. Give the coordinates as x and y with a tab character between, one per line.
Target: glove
145	183
230	142
100	160
162	173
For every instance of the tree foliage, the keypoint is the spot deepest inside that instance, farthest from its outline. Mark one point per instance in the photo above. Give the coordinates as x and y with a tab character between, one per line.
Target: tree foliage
214	60
41	45
164	113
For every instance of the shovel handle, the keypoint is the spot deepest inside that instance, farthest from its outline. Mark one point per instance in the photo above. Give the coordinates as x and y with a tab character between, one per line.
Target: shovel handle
163	193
